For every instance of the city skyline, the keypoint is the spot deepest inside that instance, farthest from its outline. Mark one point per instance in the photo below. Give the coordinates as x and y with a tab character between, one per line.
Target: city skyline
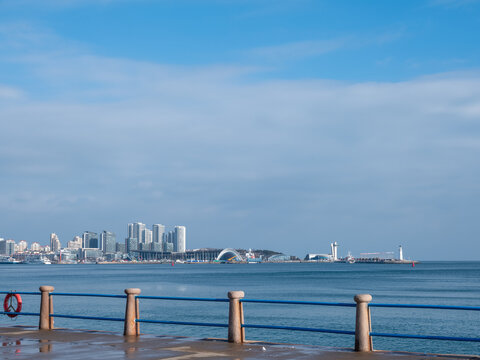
91	246
281	125
101	238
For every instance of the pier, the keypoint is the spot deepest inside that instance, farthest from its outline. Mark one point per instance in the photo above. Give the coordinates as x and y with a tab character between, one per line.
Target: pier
236	344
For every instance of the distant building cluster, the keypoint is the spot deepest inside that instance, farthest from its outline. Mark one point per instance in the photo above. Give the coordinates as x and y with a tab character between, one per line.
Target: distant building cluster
91	246
8	247
156	239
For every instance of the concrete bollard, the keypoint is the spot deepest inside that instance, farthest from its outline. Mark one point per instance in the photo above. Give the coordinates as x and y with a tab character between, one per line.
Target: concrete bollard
46	308
131	313
363	341
236	333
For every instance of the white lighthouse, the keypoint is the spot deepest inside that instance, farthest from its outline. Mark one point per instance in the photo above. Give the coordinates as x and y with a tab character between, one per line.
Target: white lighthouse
400	253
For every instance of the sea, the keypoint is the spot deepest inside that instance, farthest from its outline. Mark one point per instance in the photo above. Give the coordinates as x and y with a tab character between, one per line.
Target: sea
437	283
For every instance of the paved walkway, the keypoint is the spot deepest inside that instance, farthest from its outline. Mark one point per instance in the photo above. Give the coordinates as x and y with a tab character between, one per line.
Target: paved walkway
20	342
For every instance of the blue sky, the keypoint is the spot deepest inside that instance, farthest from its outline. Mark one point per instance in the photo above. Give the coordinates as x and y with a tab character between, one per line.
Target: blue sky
283	125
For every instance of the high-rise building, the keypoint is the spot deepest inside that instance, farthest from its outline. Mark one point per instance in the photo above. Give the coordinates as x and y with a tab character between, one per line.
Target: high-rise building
147	236
76	243
35	246
168	247
108	241
90	240
138	231
157	233
155	246
169	242
7	247
22	245
54	242
120	248
131	244
130	231
180	234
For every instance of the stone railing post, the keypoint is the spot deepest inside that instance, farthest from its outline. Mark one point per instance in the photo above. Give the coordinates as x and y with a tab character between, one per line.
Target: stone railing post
363	341
235	317
46	308
131	313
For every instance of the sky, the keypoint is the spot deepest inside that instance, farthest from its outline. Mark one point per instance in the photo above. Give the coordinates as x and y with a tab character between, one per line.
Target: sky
282	125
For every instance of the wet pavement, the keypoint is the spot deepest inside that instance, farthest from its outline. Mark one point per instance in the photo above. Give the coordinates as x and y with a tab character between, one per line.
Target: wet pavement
20	342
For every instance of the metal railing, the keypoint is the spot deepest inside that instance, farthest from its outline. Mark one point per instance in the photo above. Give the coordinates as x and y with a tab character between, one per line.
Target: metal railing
83	317
425	337
296	328
171	322
236	325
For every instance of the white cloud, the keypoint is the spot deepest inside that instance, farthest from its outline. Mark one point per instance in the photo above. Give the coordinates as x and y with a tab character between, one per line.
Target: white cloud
312	48
298	50
209	145
10	93
28	203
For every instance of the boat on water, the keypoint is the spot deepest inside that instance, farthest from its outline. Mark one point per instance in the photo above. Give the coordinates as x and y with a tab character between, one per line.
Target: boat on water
349	259
9	260
39	260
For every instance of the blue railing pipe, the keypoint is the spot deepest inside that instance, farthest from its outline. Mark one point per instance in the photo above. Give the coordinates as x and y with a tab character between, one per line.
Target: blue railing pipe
180	298
422	306
294	302
92	295
21	292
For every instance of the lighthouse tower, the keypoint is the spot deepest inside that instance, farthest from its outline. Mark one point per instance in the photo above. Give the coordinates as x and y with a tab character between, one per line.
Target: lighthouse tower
400	253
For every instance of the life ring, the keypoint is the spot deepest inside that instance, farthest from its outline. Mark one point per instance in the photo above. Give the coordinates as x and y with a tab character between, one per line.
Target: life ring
8	304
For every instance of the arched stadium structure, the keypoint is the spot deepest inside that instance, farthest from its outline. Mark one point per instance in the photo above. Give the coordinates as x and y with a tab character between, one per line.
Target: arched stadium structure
229	254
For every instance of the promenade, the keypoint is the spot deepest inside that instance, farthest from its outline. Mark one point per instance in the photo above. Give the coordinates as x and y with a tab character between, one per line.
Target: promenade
21	342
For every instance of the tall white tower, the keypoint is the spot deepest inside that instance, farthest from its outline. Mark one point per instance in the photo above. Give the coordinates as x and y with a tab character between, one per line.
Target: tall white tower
334	250
180	234
54	242
400	252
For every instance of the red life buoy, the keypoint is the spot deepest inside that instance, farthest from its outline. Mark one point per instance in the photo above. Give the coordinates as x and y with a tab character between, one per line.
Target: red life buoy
8	304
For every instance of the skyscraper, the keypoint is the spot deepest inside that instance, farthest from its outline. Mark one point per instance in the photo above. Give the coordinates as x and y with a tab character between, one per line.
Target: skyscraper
130	230
180	234
7	247
157	232
76	243
131	244
138	232
147	236
169	241
22	245
90	240
108	241
54	242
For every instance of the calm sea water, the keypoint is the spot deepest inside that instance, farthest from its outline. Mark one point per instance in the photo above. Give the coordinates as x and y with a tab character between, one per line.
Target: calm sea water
451	283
